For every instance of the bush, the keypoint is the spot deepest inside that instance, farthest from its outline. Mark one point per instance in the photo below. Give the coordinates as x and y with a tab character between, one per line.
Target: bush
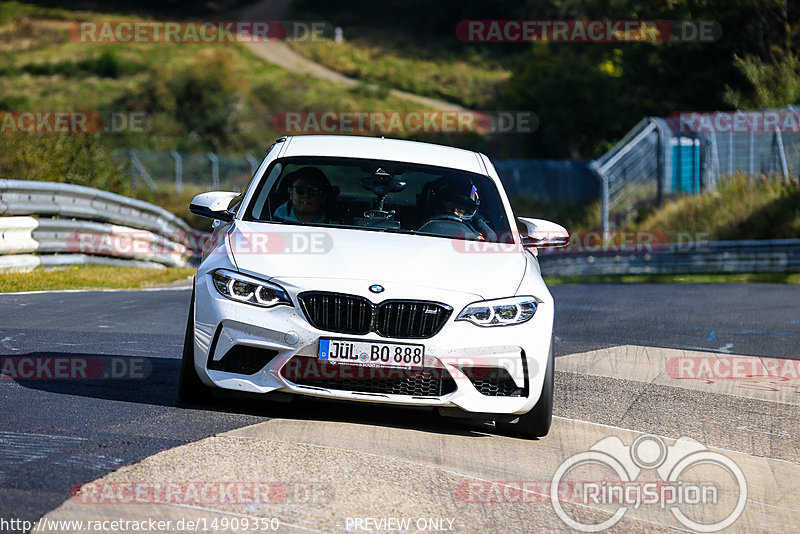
205	100
82	159
106	65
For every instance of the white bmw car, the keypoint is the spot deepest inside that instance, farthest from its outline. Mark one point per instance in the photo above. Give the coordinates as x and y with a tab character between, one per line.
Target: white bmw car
375	270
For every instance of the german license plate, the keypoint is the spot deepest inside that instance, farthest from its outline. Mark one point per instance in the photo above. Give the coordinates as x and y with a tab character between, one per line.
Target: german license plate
370	354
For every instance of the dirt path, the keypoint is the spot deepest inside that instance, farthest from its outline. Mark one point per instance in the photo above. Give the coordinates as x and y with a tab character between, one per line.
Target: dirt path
281	55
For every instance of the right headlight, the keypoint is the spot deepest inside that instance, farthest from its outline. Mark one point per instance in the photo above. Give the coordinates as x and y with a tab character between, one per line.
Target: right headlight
500	312
247	289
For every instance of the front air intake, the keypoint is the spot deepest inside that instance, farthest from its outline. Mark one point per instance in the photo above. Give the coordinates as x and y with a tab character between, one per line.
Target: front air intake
243	360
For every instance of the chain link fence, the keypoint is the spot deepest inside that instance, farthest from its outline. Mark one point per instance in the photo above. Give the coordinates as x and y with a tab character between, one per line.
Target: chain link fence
176	169
561	181
687	153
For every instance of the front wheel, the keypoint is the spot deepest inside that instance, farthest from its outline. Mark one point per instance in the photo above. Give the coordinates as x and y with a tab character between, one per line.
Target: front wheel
190	388
535	423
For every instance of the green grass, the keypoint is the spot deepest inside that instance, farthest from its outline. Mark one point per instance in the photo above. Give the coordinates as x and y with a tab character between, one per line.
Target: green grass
754	278
740	208
92	277
473	82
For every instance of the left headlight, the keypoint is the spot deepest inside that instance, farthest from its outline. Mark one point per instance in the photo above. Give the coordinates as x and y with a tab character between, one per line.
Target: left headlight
500	312
242	288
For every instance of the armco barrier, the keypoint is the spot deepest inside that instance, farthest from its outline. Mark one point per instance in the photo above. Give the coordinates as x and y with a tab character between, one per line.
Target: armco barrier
24	197
78	224
768	256
85	237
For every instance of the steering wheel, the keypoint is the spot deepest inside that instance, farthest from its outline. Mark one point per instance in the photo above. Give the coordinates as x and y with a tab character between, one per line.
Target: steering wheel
448	226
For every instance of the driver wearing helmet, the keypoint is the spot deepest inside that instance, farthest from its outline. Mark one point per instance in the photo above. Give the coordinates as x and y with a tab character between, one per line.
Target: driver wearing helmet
456	198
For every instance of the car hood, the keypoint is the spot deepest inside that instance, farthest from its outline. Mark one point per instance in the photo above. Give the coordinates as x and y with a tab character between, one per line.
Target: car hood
286	251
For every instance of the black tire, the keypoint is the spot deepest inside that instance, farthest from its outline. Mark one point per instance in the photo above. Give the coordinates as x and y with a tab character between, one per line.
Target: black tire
190	388
535	423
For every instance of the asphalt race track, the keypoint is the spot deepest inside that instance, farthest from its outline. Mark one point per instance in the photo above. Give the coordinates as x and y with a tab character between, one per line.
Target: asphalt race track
56	434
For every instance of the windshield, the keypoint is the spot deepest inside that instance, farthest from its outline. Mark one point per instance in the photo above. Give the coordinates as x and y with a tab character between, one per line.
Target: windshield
381	196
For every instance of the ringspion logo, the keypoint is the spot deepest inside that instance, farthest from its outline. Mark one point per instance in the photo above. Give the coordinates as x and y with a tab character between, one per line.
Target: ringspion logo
695	483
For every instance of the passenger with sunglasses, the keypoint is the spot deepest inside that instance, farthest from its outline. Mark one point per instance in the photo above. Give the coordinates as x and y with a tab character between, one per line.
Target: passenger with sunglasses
309	190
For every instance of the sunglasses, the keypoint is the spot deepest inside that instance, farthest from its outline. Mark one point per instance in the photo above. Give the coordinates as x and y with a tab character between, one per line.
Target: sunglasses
304	190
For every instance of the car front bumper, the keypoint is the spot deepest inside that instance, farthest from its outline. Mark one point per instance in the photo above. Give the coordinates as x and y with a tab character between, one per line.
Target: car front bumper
460	350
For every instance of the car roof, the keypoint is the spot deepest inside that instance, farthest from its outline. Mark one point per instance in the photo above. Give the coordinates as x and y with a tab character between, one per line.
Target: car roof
381	148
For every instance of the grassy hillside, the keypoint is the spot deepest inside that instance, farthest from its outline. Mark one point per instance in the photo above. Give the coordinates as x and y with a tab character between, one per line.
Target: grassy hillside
472	80
740	208
196	97
199	96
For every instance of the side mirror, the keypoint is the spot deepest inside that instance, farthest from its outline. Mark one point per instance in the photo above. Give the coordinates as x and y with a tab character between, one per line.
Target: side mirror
543	234
214	205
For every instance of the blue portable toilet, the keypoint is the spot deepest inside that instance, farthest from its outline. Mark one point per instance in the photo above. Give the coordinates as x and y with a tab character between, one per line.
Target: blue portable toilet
685	164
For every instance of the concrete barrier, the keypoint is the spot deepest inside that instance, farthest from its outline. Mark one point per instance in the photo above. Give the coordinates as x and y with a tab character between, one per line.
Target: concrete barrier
15	235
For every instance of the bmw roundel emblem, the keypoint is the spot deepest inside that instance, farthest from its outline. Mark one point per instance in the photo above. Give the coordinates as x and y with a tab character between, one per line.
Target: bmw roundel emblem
376	288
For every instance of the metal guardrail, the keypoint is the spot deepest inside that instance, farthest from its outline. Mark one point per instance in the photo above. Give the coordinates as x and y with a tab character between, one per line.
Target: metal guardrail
23	197
90	226
768	256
